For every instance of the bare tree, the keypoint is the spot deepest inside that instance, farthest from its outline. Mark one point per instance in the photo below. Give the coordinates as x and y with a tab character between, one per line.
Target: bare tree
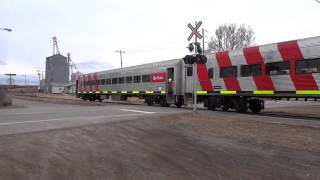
230	37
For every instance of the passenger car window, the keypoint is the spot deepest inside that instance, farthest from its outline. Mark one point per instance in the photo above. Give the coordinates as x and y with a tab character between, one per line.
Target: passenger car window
108	81
121	80
308	66
102	81
114	80
210	73
278	68
146	78
189	71
251	70
136	79
129	79
228	71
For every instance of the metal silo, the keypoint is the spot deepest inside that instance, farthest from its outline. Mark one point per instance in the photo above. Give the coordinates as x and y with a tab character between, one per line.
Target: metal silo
57	74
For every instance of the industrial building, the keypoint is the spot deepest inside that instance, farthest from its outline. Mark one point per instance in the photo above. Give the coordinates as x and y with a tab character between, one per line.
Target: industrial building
57	74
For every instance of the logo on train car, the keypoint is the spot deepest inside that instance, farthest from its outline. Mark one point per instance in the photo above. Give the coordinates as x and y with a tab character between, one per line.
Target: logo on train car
158	77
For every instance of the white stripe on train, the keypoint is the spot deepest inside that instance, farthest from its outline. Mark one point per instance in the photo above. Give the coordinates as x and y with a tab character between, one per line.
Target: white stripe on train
270	53
246	83
311	52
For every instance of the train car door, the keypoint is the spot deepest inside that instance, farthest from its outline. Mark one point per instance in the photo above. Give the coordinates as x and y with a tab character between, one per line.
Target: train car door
170	85
189	84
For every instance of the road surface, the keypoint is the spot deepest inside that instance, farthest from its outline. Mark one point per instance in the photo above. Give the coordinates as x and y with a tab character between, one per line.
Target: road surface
30	116
56	141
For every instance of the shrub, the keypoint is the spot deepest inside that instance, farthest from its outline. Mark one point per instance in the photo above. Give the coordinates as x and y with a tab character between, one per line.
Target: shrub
5	99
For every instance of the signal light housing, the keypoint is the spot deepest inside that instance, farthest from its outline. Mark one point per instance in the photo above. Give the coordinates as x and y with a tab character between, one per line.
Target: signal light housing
189	59
199	59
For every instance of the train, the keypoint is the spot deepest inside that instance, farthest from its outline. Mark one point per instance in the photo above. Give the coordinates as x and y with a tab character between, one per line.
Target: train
240	79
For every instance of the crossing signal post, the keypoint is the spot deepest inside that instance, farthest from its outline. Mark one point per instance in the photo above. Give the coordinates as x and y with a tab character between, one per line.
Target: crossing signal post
197	58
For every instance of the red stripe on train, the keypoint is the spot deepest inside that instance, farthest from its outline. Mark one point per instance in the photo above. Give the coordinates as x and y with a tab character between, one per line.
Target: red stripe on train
223	60
96	78
85	85
80	83
253	56
90	82
204	80
290	51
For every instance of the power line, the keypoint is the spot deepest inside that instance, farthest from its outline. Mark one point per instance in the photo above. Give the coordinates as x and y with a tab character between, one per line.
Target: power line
317	1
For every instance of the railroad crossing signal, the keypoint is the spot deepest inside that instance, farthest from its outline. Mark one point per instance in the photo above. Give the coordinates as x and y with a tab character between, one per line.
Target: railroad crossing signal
195	30
195	59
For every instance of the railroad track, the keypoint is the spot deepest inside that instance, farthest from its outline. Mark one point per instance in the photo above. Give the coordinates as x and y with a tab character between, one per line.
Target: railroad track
272	114
287	115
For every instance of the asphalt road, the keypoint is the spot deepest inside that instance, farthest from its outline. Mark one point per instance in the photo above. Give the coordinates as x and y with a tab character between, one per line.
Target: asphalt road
58	141
29	116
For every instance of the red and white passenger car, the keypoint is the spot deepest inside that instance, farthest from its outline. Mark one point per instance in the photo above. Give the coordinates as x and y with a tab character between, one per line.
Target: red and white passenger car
239	79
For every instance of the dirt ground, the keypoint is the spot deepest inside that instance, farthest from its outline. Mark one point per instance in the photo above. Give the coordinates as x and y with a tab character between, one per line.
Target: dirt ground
183	146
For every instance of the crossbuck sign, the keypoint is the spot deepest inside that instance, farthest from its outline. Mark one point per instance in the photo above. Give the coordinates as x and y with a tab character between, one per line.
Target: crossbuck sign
195	30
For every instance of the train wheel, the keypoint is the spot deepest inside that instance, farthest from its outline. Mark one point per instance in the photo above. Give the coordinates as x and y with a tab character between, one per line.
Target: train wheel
241	105
179	104
255	105
163	102
225	108
157	100
150	100
211	104
124	98
255	109
226	103
212	107
179	101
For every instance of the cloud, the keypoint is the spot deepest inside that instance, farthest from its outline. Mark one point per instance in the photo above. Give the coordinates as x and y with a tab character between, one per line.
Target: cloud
95	29
93	65
2	63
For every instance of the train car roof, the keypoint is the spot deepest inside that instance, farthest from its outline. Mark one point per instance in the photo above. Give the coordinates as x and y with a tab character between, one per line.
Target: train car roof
313	41
144	66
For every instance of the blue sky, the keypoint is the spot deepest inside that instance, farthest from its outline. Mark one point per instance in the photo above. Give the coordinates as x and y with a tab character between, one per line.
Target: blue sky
149	31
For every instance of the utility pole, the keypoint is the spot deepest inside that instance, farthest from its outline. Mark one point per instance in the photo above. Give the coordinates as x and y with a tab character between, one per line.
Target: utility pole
10	78
39	74
120	52
25	80
41	71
